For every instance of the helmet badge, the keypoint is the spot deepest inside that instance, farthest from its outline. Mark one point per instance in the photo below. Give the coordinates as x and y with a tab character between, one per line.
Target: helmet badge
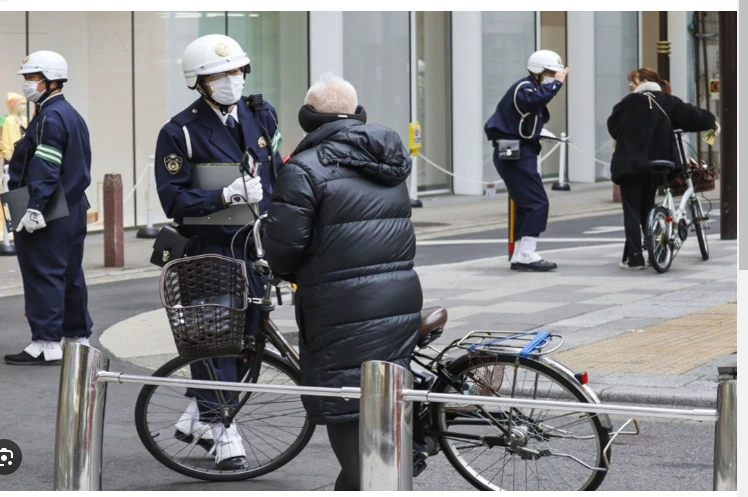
222	50
25	59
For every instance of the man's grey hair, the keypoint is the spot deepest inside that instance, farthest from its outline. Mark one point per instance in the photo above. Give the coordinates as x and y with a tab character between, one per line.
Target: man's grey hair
332	94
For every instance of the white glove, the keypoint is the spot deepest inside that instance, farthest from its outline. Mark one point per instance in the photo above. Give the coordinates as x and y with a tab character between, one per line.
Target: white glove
717	129
31	221
235	192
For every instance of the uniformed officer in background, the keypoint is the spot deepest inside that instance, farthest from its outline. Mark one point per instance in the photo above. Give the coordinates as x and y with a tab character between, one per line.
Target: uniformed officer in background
216	129
55	149
521	115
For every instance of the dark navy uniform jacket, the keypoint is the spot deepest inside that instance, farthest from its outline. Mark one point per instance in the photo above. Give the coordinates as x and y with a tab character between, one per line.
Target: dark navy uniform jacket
56	147
532	98
210	142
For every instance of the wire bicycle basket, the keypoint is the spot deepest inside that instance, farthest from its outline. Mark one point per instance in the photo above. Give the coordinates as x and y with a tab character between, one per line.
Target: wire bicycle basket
205	298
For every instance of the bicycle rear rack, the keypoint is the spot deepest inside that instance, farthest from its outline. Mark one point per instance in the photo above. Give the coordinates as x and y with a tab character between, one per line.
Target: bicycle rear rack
525	344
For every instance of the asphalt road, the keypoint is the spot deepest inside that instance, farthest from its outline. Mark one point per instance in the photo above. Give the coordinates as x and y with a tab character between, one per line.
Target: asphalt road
667	456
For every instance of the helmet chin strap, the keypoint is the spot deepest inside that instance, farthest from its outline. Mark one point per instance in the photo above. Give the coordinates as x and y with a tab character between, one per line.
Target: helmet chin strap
47	91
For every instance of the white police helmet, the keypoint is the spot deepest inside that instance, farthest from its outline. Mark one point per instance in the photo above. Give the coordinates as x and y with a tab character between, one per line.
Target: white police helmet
544	60
51	64
212	54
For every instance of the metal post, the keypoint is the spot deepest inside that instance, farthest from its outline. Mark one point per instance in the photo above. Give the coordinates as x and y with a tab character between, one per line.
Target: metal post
80	419
561	184
149	231
510	229
726	437
6	248
114	234
728	147
386	427
414	200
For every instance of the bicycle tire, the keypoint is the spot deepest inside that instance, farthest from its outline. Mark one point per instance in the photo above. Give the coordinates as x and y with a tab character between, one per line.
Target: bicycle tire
208	471
537	433
700	226
658	245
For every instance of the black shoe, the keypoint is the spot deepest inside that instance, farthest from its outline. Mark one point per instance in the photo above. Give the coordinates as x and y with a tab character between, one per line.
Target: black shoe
539	266
188	439
236	463
419	463
24	359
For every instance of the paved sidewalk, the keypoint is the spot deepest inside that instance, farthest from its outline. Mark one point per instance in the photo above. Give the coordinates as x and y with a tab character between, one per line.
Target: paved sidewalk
643	337
440	216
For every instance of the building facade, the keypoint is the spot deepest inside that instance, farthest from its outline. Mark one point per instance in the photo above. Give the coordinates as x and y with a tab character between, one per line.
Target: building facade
446	70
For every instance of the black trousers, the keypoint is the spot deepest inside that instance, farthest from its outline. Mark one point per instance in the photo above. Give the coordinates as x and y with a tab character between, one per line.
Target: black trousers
637	199
54	287
344	441
525	186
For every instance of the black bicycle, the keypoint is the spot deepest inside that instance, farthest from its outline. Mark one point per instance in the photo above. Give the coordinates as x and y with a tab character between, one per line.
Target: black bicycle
492	448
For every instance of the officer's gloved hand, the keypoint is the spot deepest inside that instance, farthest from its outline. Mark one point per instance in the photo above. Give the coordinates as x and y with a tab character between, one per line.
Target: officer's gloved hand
235	193
33	220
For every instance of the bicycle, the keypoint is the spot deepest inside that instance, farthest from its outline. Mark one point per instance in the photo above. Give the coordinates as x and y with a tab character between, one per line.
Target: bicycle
668	227
492	364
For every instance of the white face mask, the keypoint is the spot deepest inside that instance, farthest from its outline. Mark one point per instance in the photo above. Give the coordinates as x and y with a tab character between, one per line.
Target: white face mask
548	79
228	90
30	91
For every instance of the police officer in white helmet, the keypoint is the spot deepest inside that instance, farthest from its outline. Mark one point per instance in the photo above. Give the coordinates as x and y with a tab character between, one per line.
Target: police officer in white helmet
515	130
53	156
216	129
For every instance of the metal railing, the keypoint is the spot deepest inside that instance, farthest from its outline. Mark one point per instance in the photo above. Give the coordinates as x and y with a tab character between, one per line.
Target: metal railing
386	419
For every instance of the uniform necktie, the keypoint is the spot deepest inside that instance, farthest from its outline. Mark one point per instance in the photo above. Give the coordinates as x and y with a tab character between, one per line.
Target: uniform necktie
233	128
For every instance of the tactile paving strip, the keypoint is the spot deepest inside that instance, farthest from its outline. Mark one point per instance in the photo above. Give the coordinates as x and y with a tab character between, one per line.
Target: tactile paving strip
671	347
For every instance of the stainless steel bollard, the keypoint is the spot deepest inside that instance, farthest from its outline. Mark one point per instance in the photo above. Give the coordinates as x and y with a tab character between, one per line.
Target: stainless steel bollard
386	427
80	419
726	437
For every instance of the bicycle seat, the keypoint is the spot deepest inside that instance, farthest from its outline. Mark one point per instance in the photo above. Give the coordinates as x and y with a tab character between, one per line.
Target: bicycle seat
661	166
433	320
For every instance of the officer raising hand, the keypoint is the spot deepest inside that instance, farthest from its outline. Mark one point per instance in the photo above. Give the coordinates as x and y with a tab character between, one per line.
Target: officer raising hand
515	130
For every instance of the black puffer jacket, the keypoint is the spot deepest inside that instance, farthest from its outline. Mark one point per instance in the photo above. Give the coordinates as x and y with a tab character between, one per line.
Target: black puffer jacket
644	133
339	225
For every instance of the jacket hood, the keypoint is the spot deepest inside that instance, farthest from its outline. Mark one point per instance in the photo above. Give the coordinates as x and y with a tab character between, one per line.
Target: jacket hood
374	150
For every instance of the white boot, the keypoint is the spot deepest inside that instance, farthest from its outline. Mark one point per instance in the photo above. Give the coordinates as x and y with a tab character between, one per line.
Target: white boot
189	426
52	350
524	252
81	340
228	447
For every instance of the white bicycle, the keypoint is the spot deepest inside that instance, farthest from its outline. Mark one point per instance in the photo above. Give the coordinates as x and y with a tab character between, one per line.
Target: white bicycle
668	227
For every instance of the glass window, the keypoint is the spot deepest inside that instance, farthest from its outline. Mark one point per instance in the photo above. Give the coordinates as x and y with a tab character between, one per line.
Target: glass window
553	37
160	88
508	40
97	47
616	54
376	60
276	43
433	49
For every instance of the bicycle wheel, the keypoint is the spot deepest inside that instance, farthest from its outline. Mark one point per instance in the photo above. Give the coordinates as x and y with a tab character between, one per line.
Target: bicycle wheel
700	225
273	427
518	449
658	240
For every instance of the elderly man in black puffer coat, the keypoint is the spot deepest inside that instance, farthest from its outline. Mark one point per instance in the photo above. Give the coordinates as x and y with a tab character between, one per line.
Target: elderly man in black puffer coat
339	226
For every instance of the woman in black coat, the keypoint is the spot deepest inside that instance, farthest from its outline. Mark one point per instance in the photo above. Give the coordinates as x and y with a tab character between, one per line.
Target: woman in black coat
642	125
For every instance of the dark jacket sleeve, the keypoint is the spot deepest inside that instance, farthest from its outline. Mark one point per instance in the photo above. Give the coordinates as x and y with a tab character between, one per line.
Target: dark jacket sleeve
290	219
43	169
691	118
175	191
532	99
615	119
